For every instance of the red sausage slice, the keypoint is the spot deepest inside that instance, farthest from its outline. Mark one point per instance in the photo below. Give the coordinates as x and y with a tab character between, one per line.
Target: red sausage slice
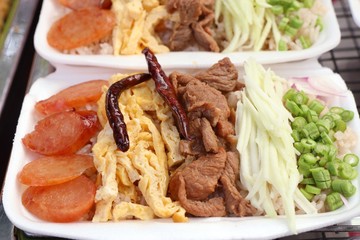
81	28
65	202
73	97
62	133
53	170
80	4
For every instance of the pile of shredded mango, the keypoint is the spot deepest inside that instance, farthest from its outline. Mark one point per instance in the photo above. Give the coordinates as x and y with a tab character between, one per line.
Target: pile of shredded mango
133	184
135	26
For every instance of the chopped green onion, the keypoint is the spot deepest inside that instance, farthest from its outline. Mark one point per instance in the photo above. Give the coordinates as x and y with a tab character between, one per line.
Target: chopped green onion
323	185
340	125
333	166
351	159
285	3
345	171
283	23
282	45
330	119
289	10
316	105
354	175
324	125
337	110
319	23
310	130
321	149
302	162
308	144
347	115
298	123
311	116
297	5
308	3
321	177
299	146
304	170
323	161
290	31
273	2
333	201
312	189
295	22
307	181
300	98
318	160
326	138
331	154
331	135
309	158
305	42
334	116
288	95
344	187
293	107
304	108
295	135
307	195
277	9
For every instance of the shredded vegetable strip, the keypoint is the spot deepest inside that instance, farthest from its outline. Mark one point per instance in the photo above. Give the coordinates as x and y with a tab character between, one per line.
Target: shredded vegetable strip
256	25
268	168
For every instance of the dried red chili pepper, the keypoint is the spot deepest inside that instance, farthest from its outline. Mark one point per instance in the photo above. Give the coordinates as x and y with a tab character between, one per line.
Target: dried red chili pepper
167	92
113	113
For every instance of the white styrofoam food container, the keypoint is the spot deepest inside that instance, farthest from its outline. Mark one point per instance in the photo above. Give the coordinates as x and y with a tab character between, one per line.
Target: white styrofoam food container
196	228
355	10
51	10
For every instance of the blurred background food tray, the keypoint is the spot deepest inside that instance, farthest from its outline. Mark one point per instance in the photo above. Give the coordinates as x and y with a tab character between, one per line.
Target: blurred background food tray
18	18
355	10
7	11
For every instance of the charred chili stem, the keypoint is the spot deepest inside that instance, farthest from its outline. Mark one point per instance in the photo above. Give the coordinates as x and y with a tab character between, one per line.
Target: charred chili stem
167	92
113	113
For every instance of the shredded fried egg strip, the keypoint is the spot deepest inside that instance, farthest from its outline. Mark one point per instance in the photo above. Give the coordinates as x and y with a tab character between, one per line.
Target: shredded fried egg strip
134	183
135	26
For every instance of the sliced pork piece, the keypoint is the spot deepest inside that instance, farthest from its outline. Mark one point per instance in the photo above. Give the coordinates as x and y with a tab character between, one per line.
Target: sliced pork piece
206	101
223	75
224	128
189	10
209	138
192	148
202	30
204	140
180	80
180	38
213	207
235	203
193	25
201	176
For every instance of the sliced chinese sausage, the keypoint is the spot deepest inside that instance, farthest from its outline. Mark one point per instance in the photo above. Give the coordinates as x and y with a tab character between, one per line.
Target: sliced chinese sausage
81	28
62	133
65	202
91	117
80	4
53	170
73	97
